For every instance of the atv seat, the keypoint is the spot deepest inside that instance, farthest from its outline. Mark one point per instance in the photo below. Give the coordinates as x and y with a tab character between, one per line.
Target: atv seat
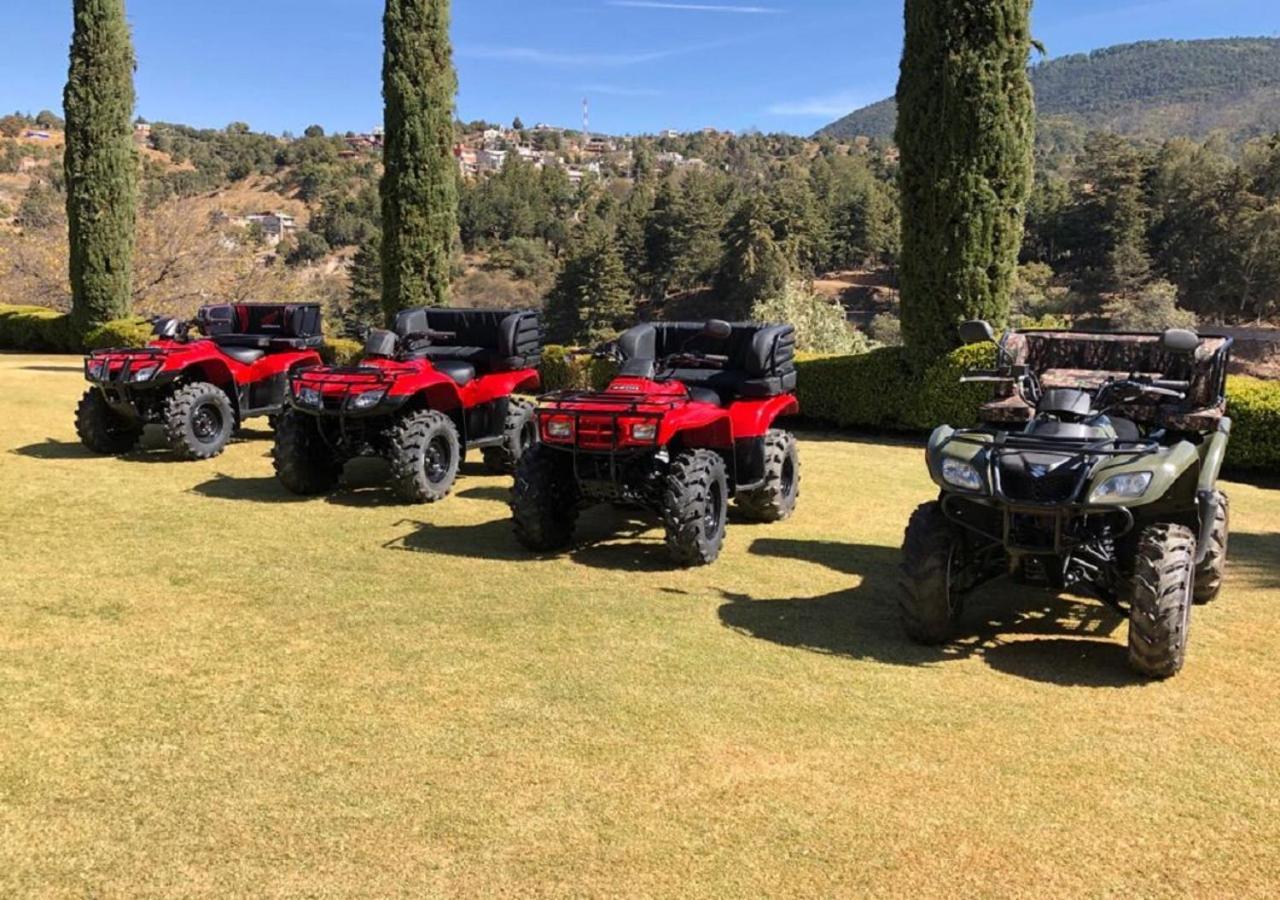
488	340
461	372
761	358
244	355
265	326
1081	359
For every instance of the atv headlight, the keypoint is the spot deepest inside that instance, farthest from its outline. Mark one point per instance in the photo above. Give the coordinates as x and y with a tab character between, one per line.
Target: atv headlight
961	474
97	369
146	373
560	428
645	432
367	400
308	396
1130	484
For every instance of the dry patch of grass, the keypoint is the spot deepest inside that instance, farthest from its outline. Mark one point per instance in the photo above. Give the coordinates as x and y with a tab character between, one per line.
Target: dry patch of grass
209	687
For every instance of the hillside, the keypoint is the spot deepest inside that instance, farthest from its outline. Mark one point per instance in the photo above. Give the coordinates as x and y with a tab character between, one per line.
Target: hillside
1156	89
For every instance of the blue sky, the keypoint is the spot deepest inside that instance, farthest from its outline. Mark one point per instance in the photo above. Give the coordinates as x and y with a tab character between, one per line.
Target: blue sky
776	65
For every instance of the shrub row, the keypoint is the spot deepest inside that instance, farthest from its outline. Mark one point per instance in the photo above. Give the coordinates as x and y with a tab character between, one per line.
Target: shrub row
562	370
877	391
37	330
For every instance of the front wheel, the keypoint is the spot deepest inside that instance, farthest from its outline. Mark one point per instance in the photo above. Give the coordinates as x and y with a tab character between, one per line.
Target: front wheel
775	500
519	433
1211	573
425	456
199	421
101	428
693	507
929	602
1160	599
303	461
544	499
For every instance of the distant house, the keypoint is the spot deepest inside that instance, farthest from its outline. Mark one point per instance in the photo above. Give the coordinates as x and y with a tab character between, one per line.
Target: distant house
671	158
492	137
276	226
468	161
38	135
598	147
669	133
578	173
490	160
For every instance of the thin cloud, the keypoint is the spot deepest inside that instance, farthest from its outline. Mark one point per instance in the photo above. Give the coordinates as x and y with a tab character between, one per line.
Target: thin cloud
585	60
697	7
830	106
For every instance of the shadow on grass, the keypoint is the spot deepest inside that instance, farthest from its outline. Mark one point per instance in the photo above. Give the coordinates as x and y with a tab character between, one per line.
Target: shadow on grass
152	448
491	540
54	449
1255	557
862	622
77	369
491	493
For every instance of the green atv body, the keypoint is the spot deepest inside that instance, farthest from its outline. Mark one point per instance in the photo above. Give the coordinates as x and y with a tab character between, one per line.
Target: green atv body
1095	469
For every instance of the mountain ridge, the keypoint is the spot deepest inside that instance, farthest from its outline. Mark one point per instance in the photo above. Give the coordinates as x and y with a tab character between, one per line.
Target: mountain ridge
1156	89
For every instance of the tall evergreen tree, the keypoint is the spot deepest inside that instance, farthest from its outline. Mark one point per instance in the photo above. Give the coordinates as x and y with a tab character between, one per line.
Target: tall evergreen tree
101	163
591	300
966	133
419	187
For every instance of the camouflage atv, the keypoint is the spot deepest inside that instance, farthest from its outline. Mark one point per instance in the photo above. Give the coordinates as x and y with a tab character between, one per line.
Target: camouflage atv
1096	467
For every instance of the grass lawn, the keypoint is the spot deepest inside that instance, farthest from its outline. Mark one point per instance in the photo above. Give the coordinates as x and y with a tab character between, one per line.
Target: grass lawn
210	687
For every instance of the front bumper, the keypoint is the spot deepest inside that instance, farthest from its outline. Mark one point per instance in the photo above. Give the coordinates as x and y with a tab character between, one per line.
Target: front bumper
1033	529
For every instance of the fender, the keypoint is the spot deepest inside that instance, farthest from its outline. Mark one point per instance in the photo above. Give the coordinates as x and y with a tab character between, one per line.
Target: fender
697	425
436	390
752	418
1213	457
487	388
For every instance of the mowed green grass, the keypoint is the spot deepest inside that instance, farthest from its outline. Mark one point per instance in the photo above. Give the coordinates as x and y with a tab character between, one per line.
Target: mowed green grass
208	687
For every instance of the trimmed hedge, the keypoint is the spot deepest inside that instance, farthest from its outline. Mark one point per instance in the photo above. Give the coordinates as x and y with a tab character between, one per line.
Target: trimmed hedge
36	329
876	391
132	332
342	351
1254	407
562	370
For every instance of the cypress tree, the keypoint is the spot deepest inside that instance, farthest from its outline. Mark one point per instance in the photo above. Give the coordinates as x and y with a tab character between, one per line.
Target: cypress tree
419	187
966	133
101	163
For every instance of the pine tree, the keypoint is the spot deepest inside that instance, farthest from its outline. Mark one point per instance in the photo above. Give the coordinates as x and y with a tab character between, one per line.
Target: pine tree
591	300
755	266
366	282
966	132
101	163
419	187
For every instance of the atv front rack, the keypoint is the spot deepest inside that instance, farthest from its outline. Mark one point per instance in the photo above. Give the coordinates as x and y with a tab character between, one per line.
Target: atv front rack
604	412
133	358
1022	516
353	380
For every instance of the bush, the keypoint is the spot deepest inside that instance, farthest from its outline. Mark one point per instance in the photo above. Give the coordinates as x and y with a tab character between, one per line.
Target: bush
561	370
134	332
1254	408
36	329
821	326
878	390
338	351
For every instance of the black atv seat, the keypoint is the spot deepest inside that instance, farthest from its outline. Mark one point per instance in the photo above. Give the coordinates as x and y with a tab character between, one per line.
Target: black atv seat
246	355
490	340
264	326
761	358
462	373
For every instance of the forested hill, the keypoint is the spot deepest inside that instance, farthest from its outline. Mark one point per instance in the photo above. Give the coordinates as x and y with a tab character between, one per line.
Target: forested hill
1155	89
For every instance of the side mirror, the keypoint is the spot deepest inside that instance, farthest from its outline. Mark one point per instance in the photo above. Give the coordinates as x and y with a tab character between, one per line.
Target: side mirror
1180	340
977	332
380	343
165	327
717	330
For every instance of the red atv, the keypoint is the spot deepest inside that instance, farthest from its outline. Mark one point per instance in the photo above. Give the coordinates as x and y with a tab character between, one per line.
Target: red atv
440	385
199	388
687	425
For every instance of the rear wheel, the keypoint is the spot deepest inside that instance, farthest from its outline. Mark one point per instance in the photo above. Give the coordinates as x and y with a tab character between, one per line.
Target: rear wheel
929	603
425	456
1160	599
303	461
101	428
519	433
775	500
199	421
1212	572
544	499
693	507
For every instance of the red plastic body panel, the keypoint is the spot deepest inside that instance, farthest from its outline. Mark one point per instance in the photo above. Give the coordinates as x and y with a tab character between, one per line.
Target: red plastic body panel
414	377
629	401
214	366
